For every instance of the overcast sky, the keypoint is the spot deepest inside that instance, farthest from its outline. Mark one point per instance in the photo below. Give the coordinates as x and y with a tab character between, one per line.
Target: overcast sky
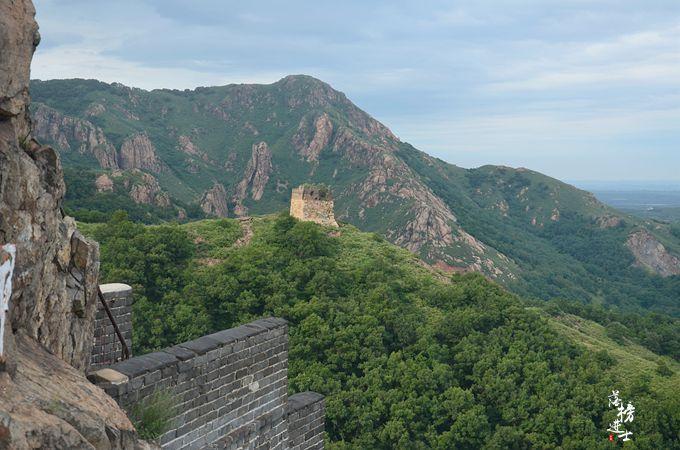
577	89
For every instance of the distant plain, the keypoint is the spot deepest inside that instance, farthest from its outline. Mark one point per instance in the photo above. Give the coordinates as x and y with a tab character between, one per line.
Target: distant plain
649	200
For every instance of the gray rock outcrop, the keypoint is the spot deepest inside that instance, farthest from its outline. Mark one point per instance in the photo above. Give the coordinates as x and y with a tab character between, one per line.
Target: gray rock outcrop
255	177
651	254
73	134
214	201
138	152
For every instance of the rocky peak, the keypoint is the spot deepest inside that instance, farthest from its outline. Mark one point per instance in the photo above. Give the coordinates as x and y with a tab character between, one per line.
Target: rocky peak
306	91
214	201
138	152
255	177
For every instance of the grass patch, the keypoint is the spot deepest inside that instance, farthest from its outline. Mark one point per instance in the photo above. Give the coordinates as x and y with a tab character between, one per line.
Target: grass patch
152	416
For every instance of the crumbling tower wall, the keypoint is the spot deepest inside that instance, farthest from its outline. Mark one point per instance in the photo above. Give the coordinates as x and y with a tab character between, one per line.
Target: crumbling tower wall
314	204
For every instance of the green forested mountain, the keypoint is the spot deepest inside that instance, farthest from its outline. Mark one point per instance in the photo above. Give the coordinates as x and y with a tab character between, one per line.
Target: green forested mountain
407	356
238	150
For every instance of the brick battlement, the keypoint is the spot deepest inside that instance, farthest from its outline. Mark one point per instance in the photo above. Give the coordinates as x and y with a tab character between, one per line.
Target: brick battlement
230	387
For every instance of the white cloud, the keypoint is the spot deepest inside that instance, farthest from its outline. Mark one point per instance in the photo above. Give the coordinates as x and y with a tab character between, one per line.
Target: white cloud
643	57
83	62
516	81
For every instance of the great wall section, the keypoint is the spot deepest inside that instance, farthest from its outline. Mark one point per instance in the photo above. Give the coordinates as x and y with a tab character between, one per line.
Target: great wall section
230	388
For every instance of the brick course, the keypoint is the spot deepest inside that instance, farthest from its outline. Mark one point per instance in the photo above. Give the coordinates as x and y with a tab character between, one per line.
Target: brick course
230	389
106	348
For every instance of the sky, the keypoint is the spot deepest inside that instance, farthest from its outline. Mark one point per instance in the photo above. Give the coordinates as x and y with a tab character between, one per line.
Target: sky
577	89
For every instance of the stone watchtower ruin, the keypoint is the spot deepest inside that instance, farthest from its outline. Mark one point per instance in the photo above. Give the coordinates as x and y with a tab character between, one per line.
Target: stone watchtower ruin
313	203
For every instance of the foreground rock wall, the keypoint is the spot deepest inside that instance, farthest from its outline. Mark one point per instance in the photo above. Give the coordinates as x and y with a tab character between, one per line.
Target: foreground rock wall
50	405
55	275
45	400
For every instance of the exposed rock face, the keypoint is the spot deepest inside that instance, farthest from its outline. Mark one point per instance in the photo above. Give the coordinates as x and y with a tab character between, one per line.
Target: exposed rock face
104	183
56	268
187	146
148	191
313	204
18	38
95	109
138	152
214	201
73	134
609	221
651	254
255	177
45	401
430	227
431	220
51	405
310	149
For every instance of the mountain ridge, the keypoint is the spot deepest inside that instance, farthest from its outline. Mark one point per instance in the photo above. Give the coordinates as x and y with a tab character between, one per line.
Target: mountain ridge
236	150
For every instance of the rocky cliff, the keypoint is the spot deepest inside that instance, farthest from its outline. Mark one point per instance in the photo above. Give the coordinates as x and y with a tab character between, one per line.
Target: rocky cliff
652	254
72	134
255	177
45	401
138	152
214	201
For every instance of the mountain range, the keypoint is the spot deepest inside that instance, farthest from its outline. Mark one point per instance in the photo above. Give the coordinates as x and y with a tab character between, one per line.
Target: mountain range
238	150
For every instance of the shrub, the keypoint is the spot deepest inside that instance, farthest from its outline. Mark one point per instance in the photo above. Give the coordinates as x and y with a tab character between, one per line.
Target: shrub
152	415
663	369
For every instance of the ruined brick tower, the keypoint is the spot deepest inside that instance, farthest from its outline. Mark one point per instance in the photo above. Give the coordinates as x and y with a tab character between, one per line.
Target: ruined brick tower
313	203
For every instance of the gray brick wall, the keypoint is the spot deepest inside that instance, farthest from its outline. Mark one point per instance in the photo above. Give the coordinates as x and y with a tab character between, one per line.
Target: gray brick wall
106	348
305	416
230	387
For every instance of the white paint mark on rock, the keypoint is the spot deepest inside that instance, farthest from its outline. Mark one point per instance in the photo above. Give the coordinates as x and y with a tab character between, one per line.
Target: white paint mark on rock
7	256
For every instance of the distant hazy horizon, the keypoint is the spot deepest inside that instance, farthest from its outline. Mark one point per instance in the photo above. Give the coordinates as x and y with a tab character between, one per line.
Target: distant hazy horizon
626	185
576	90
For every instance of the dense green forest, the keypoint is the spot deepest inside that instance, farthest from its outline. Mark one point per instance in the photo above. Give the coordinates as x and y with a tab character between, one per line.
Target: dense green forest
407	357
85	204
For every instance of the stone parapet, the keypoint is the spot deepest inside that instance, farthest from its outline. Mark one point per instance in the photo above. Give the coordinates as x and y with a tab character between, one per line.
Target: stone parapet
306	416
230	387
